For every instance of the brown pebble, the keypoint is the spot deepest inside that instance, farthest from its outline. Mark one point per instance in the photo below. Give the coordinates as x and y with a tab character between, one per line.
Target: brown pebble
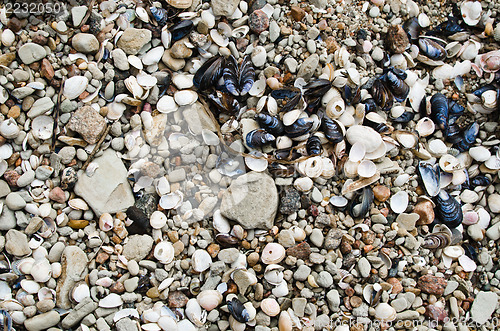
355	301
57	194
253	259
436	313
397	39
432	284
78	224
101	257
258	21
425	210
331	44
47	70
15	24
396	285
40	40
177	299
381	193
117	288
297	13
213	250
14	112
11	177
300	251
153	293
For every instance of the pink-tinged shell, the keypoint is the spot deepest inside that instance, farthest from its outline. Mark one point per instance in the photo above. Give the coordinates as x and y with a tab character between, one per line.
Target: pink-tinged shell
270	307
490	62
106	222
470	218
273	253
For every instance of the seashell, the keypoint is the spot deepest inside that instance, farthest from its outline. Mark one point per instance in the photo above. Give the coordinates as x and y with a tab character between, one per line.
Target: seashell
5	151
358	210
479	153
365	135
385	312
425	127
406	139
78	204
453	252
271	124
303	184
104	282
111	301
8	37
290	117
335	108
30	286
146	81
273	253
471	12
172	200
423	20
338	201
448	210
106	222
467	263
182	81
115	110
209	299
9	128
394	80
201	260
399	202
41	270
366	169
180	4
133	87
334	130
432	49
158	220
285	322
185	97
80	291
240	32
164	252
274	274
449	163
270	307
258	138
75	86
490	62
238	80
166	104
493	163
437	147
469	137
238	310
256	164
194	313
4	96
42	127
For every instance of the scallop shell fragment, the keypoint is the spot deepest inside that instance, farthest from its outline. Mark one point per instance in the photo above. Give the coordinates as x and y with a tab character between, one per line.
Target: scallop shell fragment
164	252
42	127
399	202
111	301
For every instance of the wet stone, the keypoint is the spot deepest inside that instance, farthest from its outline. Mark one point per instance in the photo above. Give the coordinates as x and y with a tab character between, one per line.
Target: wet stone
300	251
289	201
432	284
258	21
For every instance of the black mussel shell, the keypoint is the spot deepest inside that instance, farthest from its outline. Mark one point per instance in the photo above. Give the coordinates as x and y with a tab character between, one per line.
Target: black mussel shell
359	210
381	94
351	95
181	29
483	89
480	180
430	178
258	138
225	102
271	124
5	320
140	224
317	88
281	170
405	118
397	86
453	134
332	130
238	311
448	210
370	105
289	97
160	15
226	240
423	107
455	109
288	154
313	145
470	251
412	28
238	80
469	137
448	27
376	122
432	49
209	73
299	128
313	105
439	110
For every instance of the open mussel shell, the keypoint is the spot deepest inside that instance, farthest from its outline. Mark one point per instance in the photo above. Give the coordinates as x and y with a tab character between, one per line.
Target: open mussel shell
238	310
430	178
432	48
288	97
361	208
238	80
271	124
209	73
448	209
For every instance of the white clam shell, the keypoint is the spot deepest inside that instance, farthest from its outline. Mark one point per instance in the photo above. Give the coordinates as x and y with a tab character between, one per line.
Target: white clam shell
273	253
158	220
453	252
425	127
164	252
8	37
274	274
366	169
75	86
145	80
357	152
221	223
9	128
303	184
30	286
111	301
385	312
209	299
201	260
399	202
172	200
256	164
281	290
41	270
42	127
166	104
471	12
194	313
270	307
185	97
183	81
80	292
153	56
78	204
479	153
366	135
